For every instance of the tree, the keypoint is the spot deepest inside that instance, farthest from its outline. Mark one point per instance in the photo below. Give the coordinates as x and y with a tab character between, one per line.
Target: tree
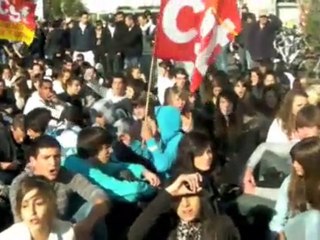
55	9
72	8
311	14
313	23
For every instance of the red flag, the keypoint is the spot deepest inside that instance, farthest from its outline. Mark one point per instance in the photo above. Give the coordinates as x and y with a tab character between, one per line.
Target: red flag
195	30
17	3
17	22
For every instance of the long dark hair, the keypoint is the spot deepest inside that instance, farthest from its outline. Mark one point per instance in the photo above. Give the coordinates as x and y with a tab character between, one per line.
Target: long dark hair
192	145
307	154
263	107
221	126
212	226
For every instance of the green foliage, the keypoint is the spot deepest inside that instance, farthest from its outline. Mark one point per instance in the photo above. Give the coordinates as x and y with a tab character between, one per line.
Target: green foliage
72	8
62	8
313	23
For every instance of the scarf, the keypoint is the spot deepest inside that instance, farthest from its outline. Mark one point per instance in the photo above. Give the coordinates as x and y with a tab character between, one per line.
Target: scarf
189	231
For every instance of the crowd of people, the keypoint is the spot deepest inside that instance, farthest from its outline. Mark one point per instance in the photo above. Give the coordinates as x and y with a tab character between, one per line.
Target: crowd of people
87	152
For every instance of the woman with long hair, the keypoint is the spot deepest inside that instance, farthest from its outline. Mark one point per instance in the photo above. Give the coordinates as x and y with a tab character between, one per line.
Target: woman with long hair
268	108
21	92
247	103
255	78
282	129
196	154
293	196
182	212
227	123
37	207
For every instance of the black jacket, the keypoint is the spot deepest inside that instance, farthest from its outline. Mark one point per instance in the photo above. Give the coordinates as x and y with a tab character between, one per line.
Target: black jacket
260	41
55	42
7	100
133	42
157	222
114	42
73	100
9	150
83	41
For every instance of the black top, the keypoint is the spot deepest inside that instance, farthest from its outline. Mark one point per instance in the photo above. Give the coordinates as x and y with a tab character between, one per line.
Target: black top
55	42
133	42
7	100
9	150
73	100
157	222
83	41
114	41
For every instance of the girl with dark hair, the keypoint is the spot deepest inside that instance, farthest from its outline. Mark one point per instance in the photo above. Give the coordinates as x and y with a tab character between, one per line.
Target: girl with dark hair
246	104
181	212
298	190
267	108
270	79
227	123
255	77
196	154
271	99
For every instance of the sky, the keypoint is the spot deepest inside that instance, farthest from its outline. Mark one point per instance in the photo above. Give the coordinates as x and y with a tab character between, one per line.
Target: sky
109	6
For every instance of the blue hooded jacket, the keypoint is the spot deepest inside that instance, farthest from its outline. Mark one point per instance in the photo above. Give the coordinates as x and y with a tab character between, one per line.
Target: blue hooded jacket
104	176
169	125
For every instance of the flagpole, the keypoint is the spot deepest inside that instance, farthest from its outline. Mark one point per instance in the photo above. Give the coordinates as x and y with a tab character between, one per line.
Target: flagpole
151	72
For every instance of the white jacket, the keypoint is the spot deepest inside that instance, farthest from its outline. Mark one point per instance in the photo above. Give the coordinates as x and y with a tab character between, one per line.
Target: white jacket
61	231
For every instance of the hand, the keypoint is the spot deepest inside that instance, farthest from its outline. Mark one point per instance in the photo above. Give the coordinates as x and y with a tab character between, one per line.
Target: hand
249	183
82	231
146	131
54	99
153	125
126	139
9	166
151	178
9	110
185	184
143	77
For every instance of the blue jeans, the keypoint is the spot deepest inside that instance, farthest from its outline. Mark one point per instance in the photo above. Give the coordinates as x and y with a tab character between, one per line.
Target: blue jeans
100	231
3	57
249	60
130	62
145	63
